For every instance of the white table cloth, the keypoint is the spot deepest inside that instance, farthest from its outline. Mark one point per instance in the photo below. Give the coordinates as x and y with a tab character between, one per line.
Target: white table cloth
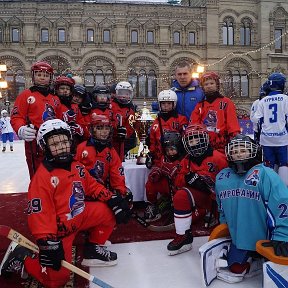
135	178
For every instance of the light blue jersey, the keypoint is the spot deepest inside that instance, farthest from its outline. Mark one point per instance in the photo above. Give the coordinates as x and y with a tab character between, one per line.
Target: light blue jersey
254	205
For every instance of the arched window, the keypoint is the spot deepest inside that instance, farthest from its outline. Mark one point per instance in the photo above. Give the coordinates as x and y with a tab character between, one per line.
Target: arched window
89	79
99	77
245	33
244	84
152	84
108	77
133	80
142	83
228	32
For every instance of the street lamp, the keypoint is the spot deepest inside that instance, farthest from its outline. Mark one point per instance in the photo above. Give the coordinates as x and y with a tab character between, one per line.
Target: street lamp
3	83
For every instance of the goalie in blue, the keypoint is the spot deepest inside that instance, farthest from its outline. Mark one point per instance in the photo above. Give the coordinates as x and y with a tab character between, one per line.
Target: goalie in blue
253	202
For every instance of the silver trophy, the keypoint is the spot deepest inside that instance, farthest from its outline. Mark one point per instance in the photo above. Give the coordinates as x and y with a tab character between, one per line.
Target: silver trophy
141	123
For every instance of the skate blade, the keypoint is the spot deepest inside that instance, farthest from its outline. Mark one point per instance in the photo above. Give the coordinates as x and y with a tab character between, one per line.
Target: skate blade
183	249
97	263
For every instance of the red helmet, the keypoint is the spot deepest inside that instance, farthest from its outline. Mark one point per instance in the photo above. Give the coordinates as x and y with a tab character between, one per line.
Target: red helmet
42	66
210	75
99	119
63	80
195	140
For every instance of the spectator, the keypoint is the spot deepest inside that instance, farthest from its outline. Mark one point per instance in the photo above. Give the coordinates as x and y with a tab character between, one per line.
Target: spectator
187	89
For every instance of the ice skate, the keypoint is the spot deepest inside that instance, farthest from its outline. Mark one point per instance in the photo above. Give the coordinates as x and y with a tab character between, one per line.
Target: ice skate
97	256
180	244
11	148
3	149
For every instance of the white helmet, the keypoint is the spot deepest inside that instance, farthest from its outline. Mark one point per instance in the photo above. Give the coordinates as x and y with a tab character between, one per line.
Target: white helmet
167	95
52	127
4	112
124	92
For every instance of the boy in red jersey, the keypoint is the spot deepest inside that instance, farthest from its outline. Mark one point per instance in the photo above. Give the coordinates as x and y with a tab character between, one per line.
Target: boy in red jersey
162	176
197	175
64	88
167	120
216	112
32	107
122	108
57	211
100	158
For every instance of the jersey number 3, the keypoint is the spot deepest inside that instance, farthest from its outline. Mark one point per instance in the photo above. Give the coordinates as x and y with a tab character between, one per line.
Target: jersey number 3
273	108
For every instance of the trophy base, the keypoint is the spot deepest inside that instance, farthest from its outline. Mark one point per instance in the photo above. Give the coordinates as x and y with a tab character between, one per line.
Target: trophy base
141	160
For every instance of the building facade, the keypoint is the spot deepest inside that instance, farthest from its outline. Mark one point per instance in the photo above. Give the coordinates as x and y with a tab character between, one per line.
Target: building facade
108	41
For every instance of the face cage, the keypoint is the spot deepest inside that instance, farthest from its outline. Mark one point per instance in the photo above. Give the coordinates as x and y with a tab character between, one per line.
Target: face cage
51	76
239	147
124	96
198	149
64	156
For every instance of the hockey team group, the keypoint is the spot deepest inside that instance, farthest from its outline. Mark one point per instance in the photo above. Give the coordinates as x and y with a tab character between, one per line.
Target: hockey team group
199	162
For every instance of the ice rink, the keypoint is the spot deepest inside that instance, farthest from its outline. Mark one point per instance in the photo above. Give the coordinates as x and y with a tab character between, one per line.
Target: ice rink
140	264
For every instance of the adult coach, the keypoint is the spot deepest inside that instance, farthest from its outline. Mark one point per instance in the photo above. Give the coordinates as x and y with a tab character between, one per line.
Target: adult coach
187	89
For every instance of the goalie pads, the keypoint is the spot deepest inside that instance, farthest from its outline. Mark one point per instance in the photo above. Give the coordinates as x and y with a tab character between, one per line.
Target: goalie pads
275	275
210	254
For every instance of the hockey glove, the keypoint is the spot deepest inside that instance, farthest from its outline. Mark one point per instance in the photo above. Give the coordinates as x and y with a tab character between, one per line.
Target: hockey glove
120	208
121	132
149	160
155	175
69	117
51	253
280	247
27	133
191	177
76	129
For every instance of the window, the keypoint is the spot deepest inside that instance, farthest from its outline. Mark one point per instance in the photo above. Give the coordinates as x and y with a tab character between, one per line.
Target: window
44	35
278	41
150	37
228	32
89	79
1	35
99	77
144	83
176	37
61	35
191	38
245	34
90	35
15	35
134	36
106	36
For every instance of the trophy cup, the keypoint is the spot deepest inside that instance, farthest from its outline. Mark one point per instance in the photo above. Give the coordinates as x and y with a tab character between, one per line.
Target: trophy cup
141	123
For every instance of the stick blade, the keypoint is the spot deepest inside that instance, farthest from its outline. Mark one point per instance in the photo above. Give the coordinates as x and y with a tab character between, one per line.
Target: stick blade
4	230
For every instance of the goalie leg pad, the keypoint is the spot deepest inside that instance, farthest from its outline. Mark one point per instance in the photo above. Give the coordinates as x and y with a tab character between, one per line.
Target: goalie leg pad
210	254
274	275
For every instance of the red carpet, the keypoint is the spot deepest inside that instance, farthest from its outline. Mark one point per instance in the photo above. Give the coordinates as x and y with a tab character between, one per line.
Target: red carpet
13	214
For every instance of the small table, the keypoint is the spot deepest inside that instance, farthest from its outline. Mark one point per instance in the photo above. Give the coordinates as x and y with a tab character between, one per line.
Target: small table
136	177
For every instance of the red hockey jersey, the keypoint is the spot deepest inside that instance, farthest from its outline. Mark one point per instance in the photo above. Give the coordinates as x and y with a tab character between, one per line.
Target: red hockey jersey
220	118
104	166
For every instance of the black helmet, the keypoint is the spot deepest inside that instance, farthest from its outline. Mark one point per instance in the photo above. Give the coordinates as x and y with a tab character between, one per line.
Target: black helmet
173	139
80	90
243	153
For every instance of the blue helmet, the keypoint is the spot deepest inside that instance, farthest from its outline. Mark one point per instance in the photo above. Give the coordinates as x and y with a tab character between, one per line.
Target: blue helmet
276	81
264	90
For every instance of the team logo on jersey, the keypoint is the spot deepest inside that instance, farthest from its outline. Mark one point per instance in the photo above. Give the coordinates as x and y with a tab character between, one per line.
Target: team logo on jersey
54	181
76	201
31	99
253	178
211	121
98	170
84	154
48	113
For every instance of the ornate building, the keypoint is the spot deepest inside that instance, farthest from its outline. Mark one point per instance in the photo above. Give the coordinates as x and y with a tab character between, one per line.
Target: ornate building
106	41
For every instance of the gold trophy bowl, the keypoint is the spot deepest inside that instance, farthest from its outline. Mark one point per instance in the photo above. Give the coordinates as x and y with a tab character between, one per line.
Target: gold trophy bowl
141	123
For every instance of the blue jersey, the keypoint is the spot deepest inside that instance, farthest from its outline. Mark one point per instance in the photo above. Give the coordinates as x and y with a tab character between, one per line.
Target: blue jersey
187	98
254	205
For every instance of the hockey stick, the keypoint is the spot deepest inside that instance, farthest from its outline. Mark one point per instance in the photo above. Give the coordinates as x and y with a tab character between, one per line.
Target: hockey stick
23	241
150	227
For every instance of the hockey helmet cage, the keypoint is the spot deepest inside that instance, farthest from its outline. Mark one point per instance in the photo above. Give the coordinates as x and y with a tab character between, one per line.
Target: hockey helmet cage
195	140
243	153
124	92
42	66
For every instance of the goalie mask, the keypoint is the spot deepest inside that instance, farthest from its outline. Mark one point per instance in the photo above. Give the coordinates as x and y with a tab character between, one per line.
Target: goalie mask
124	92
242	153
195	140
172	145
101	129
55	139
